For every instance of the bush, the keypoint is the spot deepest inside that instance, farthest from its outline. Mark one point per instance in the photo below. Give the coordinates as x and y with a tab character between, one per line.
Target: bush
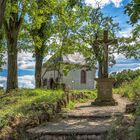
131	90
124	76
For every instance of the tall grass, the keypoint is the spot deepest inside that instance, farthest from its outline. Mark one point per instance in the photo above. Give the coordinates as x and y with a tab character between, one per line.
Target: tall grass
130	89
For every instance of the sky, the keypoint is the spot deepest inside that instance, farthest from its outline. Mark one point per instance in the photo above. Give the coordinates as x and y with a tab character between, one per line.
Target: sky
115	8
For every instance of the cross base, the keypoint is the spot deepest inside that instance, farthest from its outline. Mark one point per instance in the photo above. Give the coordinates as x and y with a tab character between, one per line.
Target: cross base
104	96
99	102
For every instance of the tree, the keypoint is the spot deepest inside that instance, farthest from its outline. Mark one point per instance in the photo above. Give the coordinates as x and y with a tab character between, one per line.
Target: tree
2	11
56	24
40	37
41	29
91	32
16	11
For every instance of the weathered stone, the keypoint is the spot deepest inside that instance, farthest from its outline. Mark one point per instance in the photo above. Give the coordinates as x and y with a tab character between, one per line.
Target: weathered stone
130	108
128	120
104	96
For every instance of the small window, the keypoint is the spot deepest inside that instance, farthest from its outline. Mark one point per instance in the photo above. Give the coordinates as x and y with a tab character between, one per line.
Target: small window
83	77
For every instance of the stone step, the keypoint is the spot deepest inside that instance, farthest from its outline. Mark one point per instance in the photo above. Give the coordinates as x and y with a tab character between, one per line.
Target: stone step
103	115
71	129
70	137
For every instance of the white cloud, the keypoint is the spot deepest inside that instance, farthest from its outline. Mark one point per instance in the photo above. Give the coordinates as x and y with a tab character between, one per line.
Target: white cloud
26	81
119	56
25	60
2	81
102	3
27	65
125	33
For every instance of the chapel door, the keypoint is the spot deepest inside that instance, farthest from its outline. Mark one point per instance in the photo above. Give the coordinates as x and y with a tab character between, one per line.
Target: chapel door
51	83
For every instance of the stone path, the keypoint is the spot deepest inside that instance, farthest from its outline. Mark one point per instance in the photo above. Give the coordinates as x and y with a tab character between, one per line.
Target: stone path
85	109
85	122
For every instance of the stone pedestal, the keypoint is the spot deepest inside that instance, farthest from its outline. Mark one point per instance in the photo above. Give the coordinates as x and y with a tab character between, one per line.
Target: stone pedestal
104	96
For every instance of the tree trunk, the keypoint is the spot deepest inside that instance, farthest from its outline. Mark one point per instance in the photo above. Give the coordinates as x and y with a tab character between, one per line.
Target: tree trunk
12	28
12	78
38	66
2	11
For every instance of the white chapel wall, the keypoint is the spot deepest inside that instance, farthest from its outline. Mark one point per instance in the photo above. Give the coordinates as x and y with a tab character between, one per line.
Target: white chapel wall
73	79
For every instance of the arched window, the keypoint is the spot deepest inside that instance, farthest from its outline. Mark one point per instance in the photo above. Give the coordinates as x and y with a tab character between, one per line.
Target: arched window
83	77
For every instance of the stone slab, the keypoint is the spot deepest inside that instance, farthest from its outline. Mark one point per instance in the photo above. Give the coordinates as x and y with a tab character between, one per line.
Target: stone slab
98	116
72	126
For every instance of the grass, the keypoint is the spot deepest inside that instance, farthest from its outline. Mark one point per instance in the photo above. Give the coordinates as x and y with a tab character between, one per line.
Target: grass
92	95
129	89
28	102
19	102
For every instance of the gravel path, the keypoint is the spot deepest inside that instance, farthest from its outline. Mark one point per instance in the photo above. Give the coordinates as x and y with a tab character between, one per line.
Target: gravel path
86	109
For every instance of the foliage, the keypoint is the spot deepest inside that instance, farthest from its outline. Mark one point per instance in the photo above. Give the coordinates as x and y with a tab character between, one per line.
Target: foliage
124	76
90	94
130	89
130	46
132	9
137	126
71	105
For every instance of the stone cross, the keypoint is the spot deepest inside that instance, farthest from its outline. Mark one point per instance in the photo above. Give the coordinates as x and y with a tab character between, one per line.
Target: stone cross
106	42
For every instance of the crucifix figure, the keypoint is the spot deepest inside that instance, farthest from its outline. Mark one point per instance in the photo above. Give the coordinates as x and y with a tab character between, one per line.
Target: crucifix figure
105	84
106	42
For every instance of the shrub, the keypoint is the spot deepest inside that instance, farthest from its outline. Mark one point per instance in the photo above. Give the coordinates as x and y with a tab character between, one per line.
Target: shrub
124	76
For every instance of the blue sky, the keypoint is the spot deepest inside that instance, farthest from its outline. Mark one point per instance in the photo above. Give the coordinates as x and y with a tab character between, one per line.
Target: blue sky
115	8
118	14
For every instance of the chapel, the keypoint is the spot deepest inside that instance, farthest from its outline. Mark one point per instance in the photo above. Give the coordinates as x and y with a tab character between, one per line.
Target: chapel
70	70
